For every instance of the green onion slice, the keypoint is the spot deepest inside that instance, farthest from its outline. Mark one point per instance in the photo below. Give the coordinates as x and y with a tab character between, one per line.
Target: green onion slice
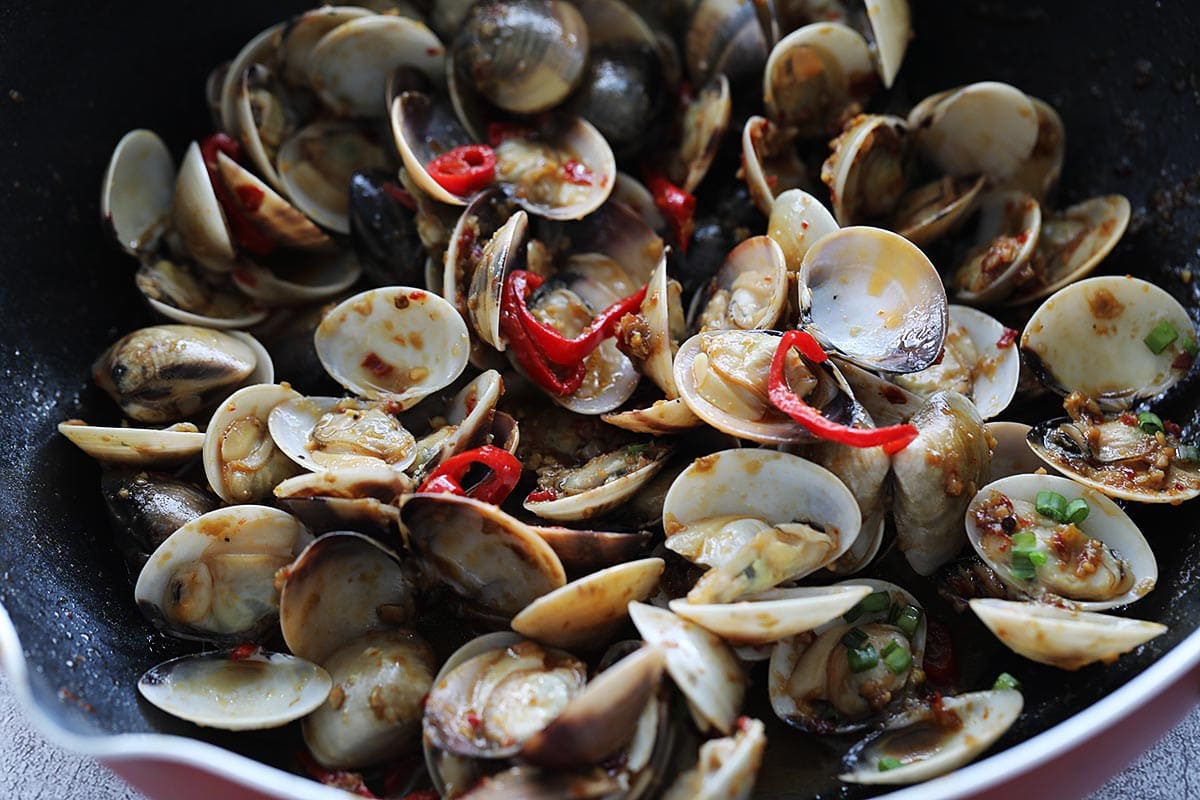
908	620
889	763
1190	347
1024	540
1161	337
871	604
1006	681
1022	567
1150	422
1077	511
863	659
897	659
1051	504
1037	557
855	638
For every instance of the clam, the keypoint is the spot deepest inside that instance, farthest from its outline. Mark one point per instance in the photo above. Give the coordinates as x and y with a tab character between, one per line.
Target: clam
1038	174
987	127
1012	454
797	221
724	37
775	614
1100	562
702	666
816	76
1061	637
381	344
921	747
302	279
241	461
260	50
891	29
374	709
1008	231
563	171
599	485
874	297
865	172
726	768
197	217
268	210
749	291
585	613
213	578
935	478
772	167
147	507
192	296
704	123
651	337
347	499
932	210
265	114
855	668
135	447
236	692
315	166
1123	313
885	401
583	551
340	588
328	433
423	129
483	554
136	193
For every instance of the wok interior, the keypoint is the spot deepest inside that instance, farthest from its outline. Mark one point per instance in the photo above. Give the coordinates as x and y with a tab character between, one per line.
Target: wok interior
1121	79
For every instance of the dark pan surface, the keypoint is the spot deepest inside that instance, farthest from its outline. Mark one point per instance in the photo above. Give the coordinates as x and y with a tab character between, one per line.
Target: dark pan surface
1123	76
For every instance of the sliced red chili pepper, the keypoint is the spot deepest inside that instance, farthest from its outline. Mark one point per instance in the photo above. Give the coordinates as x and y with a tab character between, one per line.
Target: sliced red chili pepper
499	131
244	651
495	488
893	438
243	230
678	206
553	345
464	170
526	352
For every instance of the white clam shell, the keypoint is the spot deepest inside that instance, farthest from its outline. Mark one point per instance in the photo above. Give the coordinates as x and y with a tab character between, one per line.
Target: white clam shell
660	418
140	447
292	423
798	221
986	127
197	215
986	716
1061	638
1005	219
1012	454
584	614
419	342
315	165
599	499
1107	318
749	291
269	211
998	369
1106	522
259	50
302	34
772	166
772	615
702	666
865	172
829	55
308	279
264	690
891	29
237	444
726	768
136	192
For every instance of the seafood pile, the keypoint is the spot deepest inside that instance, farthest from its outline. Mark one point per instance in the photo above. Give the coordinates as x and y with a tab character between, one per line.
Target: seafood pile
600	429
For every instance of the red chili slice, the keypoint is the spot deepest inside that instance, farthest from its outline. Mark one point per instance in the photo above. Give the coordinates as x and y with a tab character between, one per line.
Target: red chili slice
678	206
464	170
526	352
243	230
499	131
893	438
495	488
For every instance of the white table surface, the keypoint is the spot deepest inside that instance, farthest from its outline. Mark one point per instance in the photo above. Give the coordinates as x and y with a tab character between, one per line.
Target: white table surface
32	769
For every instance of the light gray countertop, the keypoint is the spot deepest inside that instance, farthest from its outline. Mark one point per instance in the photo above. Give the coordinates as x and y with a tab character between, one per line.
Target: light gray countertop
32	769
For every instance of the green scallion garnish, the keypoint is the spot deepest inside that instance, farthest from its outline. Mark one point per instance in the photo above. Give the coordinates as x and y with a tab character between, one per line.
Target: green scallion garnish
889	763
1051	504
854	638
1022	567
897	659
1161	337
908	620
1150	422
1077	511
1037	557
871	604
862	659
1024	540
1006	681
1190	347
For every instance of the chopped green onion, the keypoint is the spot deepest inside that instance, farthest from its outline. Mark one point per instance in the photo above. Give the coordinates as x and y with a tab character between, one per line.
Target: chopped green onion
1190	347
872	603
1006	681
1150	422
1187	452
1077	511
1037	557
1051	504
909	619
1024	540
855	638
1158	339
893	613
862	660
1022	567
889	763
897	658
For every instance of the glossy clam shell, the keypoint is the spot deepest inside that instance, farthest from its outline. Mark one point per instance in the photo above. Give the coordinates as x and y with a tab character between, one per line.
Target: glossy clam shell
1061	638
600	499
136	191
197	217
814	73
1106	522
268	210
987	127
292	423
771	615
1004	217
315	164
798	220
424	128
933	210
1012	454
192	296
866	171
751	287
138	447
891	31
309	278
246	409
1106	317
771	165
212	690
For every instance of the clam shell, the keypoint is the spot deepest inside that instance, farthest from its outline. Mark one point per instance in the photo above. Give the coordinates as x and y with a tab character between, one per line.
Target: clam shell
608	496
873	296
866	171
192	296
268	210
813	74
197	217
302	34
136	192
726	768
891	31
1107	318
797	222
315	165
772	615
306	279
424	129
771	164
341	587
293	422
135	447
986	127
521	165
213	690
1008	233
1039	173
749	291
1061	638
926	213
661	418
419	343
1012	454
584	614
702	666
241	461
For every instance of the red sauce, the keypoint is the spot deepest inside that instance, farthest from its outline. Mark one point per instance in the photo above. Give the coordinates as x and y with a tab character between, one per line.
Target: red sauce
576	172
376	365
243	651
893	395
1007	338
541	496
250	197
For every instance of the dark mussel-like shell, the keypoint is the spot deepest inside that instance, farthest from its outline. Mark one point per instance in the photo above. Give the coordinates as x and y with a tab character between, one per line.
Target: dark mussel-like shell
384	230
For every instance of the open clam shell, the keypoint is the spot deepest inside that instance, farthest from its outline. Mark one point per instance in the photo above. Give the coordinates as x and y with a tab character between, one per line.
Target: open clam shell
726	768
381	344
501	251
866	171
305	278
193	296
704	124
797	221
1012	454
987	127
1120	312
197	216
329	433
771	164
135	447
1120	566
136	192
342	586
302	34
702	666
602	484
1008	232
316	163
887	402
873	296
891	31
213	578
926	750
585	614
565	171
343	500
652	338
262	49
749	291
1062	638
772	615
241	461
1039	173
485	555
217	690
928	212
660	418
268	210
423	129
